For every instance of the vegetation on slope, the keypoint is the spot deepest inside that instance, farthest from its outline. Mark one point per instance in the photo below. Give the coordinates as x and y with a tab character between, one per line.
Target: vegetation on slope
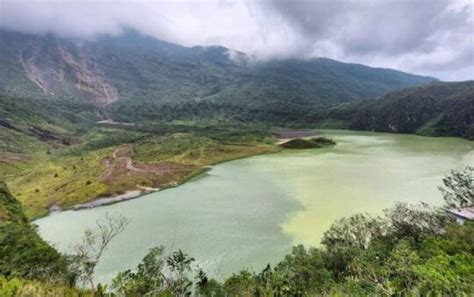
112	159
136	77
29	266
53	153
440	109
22	252
29	125
301	143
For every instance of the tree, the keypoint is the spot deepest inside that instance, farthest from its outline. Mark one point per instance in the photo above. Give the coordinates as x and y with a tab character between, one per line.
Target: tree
179	264
147	279
93	245
458	190
356	231
301	272
206	286
347	238
447	268
415	222
241	284
400	263
158	274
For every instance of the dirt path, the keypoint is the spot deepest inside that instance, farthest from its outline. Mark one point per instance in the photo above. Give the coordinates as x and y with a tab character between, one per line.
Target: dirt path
108	170
121	162
109	165
130	167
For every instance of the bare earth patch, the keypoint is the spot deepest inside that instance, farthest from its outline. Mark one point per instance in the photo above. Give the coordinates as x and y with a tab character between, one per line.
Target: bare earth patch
121	164
8	158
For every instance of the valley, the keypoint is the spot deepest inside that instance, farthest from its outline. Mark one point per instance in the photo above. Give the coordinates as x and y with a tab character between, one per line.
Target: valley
271	201
134	166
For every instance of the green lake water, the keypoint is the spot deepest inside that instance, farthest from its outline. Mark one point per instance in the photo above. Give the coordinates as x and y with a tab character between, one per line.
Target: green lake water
249	212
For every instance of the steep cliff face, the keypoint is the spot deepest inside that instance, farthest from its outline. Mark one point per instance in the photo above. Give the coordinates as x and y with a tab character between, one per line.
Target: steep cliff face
46	66
58	67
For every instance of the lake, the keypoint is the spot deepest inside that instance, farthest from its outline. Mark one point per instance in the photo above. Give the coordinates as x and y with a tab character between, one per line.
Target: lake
249	212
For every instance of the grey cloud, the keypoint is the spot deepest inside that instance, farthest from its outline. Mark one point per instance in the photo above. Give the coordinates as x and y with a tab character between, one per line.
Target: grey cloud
416	35
391	26
433	37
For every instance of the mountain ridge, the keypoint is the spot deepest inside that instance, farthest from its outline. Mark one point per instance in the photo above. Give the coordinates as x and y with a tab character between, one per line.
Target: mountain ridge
437	109
52	88
140	67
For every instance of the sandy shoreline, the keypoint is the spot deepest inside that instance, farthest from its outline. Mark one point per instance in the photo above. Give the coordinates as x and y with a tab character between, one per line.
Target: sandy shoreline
102	201
108	200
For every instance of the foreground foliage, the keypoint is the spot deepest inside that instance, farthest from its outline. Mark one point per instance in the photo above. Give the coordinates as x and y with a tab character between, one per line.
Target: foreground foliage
458	189
409	251
22	252
18	287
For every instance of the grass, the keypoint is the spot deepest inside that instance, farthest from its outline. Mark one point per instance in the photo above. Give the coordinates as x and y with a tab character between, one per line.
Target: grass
46	180
15	142
195	150
70	175
22	287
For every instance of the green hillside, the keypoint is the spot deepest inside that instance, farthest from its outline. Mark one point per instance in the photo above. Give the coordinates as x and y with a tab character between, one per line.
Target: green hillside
28	124
135	77
439	109
22	252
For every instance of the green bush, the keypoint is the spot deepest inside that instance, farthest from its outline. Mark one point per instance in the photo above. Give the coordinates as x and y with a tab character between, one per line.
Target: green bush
299	143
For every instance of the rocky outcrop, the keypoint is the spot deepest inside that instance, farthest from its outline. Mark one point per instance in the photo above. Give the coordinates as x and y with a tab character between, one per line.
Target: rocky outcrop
57	67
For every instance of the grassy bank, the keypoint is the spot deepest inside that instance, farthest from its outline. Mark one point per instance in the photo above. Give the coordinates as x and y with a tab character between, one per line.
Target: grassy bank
96	166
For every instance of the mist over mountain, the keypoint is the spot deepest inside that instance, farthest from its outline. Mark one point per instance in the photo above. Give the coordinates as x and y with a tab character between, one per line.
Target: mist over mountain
136	76
133	78
426	37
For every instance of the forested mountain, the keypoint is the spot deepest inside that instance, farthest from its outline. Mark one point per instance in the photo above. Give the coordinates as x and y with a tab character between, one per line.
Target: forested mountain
138	77
439	109
53	86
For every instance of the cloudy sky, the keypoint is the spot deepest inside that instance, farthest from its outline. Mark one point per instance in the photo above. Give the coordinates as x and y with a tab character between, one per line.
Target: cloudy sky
431	37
